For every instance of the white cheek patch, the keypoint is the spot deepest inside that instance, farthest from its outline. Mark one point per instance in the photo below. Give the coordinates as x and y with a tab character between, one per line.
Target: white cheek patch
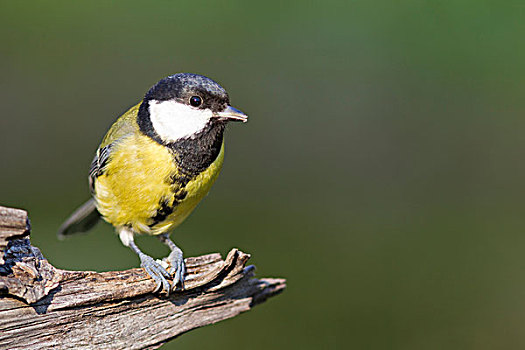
174	121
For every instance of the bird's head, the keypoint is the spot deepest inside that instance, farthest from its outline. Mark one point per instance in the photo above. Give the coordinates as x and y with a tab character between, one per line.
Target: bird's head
182	105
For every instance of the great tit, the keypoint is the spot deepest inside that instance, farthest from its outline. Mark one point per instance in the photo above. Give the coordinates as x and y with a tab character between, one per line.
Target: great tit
155	164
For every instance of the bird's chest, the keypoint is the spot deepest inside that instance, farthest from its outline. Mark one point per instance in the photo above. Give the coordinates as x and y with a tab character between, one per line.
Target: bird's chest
145	188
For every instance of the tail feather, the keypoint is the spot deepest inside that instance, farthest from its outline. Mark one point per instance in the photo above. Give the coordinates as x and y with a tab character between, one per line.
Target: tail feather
82	220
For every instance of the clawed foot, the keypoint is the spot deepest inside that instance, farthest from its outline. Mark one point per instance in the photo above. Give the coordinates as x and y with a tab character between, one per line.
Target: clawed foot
157	272
153	268
176	261
161	276
177	267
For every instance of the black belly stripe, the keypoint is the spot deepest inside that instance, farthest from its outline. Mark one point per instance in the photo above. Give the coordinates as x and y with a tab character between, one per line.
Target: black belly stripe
192	156
165	209
168	204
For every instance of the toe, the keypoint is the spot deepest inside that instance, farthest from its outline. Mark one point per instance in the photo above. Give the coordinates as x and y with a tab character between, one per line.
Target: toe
180	274
158	273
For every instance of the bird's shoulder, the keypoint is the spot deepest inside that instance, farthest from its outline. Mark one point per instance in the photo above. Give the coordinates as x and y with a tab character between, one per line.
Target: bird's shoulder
125	125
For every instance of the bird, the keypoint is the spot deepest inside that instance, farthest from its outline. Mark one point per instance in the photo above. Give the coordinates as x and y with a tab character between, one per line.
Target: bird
155	164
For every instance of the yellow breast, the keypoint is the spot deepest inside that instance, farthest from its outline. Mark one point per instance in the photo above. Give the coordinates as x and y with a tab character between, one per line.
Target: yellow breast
140	186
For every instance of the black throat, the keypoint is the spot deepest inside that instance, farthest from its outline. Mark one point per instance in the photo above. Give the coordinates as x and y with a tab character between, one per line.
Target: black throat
193	154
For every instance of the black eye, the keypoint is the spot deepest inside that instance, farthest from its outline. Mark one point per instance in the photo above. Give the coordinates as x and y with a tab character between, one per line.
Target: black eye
195	101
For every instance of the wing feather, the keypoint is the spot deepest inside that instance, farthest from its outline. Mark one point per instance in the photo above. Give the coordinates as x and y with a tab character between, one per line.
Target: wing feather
87	215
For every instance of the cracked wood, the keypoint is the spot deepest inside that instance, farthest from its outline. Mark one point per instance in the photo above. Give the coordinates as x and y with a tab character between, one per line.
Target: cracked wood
44	307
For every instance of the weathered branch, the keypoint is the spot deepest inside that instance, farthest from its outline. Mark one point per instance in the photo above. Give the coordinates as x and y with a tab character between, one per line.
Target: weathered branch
45	307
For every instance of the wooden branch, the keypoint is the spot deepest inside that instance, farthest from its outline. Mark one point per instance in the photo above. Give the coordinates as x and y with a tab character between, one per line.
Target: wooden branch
44	307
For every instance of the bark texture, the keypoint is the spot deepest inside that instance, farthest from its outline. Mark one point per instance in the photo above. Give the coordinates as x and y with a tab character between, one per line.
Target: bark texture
45	307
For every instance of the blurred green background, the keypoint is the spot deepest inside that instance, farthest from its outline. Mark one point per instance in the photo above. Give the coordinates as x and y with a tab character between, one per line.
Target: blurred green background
381	171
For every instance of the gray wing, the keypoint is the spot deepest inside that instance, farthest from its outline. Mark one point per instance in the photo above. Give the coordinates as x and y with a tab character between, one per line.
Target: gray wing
98	165
87	215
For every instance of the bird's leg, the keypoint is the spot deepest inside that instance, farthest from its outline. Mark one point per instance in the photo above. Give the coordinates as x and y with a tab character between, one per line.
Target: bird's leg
153	268
176	260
